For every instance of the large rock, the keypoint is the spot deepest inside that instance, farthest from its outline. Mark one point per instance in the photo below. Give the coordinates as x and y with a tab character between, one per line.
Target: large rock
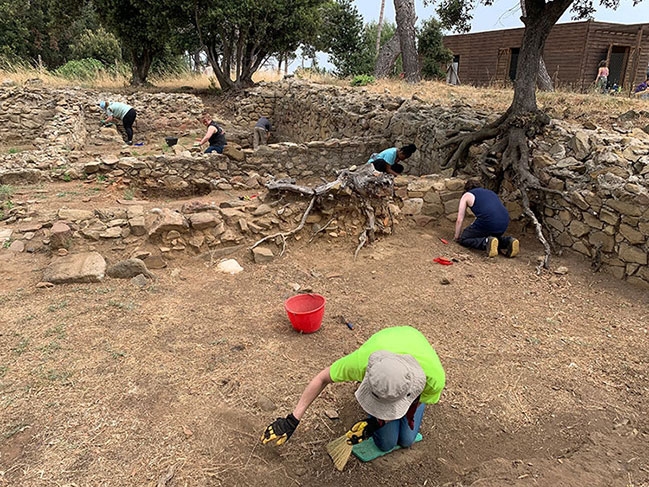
60	236
84	267
129	268
166	221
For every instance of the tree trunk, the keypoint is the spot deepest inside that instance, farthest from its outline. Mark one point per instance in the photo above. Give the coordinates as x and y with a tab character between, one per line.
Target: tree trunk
141	63
379	27
543	80
387	57
405	16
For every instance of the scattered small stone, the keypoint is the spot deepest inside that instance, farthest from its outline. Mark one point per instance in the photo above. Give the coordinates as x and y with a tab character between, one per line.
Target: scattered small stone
62	252
262	255
44	285
265	404
140	281
561	270
129	268
17	246
444	281
154	262
229	266
331	413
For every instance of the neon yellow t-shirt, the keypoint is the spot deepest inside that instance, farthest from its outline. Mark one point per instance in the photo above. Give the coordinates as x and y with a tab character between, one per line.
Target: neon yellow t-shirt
401	340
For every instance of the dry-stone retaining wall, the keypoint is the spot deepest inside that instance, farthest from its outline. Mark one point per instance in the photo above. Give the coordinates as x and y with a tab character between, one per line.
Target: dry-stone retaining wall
44	117
303	112
601	178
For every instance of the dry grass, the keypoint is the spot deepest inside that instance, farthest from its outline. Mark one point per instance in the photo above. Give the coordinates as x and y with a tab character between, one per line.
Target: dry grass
562	103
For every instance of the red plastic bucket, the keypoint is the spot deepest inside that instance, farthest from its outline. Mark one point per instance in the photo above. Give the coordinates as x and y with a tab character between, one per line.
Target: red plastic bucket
305	311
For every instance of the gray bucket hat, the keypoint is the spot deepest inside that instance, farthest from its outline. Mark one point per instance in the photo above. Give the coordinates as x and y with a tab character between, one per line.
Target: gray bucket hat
391	383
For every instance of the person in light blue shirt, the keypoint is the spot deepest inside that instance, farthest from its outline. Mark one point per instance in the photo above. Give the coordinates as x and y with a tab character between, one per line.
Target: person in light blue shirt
124	113
388	160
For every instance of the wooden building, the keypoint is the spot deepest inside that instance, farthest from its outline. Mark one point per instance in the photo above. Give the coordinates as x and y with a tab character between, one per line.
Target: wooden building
572	54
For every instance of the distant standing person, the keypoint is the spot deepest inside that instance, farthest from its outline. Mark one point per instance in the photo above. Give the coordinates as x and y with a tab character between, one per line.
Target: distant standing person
214	135
389	159
261	133
122	112
602	77
492	220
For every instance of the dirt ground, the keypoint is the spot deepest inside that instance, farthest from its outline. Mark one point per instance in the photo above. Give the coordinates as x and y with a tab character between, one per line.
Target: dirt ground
108	384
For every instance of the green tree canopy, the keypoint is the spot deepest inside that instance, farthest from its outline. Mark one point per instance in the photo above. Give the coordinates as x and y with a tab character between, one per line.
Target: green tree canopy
240	35
143	28
432	53
350	44
41	29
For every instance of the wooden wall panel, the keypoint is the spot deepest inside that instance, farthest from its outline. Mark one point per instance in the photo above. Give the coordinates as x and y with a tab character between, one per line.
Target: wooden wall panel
572	52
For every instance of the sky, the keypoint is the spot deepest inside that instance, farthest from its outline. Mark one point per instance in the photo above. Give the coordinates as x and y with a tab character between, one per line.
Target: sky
505	14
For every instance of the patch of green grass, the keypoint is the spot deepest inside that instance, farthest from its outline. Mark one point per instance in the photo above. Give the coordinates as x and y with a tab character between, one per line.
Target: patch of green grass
13	150
21	347
51	347
57	306
6	190
3	370
128	194
115	354
55	375
101	177
128	306
362	80
58	331
67	178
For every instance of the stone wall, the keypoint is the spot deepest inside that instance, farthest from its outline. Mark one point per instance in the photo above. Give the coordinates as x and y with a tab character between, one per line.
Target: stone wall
38	117
600	179
303	112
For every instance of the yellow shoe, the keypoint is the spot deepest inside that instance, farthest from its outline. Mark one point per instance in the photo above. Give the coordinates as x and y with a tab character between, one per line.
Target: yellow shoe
513	248
492	246
509	246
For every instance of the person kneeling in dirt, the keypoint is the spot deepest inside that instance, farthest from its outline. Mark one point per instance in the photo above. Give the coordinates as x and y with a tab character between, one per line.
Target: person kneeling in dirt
388	160
261	133
214	135
492	220
399	373
122	112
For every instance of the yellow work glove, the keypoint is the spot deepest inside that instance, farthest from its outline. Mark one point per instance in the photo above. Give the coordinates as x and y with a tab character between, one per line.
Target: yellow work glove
362	430
281	430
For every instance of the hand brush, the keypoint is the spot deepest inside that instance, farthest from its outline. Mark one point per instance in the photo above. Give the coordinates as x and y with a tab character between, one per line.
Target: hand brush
339	450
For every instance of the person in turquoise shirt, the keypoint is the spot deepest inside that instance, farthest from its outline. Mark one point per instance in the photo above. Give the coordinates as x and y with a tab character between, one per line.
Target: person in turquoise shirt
399	374
389	159
122	112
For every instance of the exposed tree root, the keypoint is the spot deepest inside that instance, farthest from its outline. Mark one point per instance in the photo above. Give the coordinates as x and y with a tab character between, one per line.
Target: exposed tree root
368	232
283	235
508	157
362	182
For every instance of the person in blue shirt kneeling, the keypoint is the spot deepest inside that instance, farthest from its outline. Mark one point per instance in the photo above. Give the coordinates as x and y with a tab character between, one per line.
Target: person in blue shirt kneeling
491	222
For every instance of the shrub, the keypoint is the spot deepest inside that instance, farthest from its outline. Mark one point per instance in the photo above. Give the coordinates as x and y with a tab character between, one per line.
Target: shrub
99	45
82	70
362	80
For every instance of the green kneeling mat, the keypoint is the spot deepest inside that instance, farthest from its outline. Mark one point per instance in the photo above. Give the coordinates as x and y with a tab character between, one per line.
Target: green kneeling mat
368	451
